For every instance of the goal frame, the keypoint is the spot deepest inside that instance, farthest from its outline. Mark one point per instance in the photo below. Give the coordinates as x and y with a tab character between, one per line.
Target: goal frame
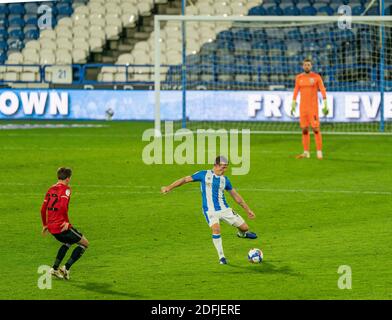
284	19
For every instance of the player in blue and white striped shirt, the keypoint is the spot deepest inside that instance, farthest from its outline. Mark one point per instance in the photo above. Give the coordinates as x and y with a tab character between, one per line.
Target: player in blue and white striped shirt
213	183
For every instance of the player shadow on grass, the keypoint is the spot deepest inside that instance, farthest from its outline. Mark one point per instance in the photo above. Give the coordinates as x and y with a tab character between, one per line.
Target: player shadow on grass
105	289
265	267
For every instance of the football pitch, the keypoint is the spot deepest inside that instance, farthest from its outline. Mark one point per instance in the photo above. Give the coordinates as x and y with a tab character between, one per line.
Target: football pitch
312	217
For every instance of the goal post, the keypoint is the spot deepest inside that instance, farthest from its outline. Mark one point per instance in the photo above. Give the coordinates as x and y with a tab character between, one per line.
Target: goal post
239	71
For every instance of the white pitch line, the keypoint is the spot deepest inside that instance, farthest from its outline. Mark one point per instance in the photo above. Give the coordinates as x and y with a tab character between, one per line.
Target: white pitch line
156	189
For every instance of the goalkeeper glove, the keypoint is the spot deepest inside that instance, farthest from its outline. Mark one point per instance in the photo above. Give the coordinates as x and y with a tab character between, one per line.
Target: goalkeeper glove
293	106
325	109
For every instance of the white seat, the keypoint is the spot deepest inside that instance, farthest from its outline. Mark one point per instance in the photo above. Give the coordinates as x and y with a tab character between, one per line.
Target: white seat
81	21
112	8
113	20
48	44
30	74
66	21
239	9
15	58
97	19
30	56
223	11
63	57
80	32
33	44
98	33
128	7
82	10
81	43
129	20
191	10
173	57
47	57
97	8
206	9
64	31
48	34
79	56
142	45
64	43
125	59
141	57
96	44
112	32
144	9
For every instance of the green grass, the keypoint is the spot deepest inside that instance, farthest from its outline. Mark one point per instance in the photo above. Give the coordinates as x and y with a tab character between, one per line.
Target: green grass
147	246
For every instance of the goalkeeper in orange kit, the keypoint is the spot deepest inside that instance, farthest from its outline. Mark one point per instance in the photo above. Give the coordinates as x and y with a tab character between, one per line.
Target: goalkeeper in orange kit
308	83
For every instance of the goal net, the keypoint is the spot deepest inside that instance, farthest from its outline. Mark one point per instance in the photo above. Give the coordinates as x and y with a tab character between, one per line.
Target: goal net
239	72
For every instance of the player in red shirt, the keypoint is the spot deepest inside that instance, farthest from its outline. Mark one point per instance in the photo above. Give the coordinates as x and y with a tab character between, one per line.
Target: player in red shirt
54	214
308	84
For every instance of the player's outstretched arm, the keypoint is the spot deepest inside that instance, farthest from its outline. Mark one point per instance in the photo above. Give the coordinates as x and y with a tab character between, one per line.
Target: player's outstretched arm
237	198
177	183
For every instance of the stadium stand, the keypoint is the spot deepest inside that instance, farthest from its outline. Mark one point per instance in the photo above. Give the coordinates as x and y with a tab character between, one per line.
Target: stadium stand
120	33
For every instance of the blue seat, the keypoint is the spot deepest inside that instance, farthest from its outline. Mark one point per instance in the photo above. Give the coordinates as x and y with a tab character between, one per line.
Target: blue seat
356	11
64	9
16	8
31	8
225	36
3	45
16	22
308	11
3	23
373	11
292	11
242	34
3	57
31	34
257	11
327	10
15	33
3	9
274	11
31	20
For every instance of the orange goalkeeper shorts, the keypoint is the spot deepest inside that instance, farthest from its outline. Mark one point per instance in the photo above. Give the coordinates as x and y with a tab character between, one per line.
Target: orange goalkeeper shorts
309	119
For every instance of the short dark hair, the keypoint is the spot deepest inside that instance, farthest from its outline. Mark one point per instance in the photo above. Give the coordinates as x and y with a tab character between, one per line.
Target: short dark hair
220	159
308	60
64	173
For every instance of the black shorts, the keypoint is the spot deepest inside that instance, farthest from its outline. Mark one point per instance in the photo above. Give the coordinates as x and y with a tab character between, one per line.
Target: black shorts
69	236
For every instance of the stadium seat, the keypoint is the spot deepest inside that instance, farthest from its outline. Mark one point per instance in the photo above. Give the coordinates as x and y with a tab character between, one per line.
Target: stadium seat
257	11
291	11
308	11
275	10
16	8
326	10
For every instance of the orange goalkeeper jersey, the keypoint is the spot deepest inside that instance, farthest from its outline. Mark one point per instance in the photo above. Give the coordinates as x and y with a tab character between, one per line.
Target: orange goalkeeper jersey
308	85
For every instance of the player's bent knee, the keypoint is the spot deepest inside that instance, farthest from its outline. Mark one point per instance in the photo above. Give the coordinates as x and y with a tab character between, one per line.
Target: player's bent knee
305	130
215	229
243	227
84	242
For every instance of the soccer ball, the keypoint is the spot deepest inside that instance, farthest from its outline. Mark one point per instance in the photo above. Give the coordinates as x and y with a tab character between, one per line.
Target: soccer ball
255	256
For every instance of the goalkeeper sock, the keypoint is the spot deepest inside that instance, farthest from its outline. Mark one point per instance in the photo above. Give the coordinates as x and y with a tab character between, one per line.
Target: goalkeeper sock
319	141
306	142
217	240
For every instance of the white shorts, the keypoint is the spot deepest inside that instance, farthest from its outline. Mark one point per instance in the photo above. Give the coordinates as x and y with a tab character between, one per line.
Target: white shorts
227	215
